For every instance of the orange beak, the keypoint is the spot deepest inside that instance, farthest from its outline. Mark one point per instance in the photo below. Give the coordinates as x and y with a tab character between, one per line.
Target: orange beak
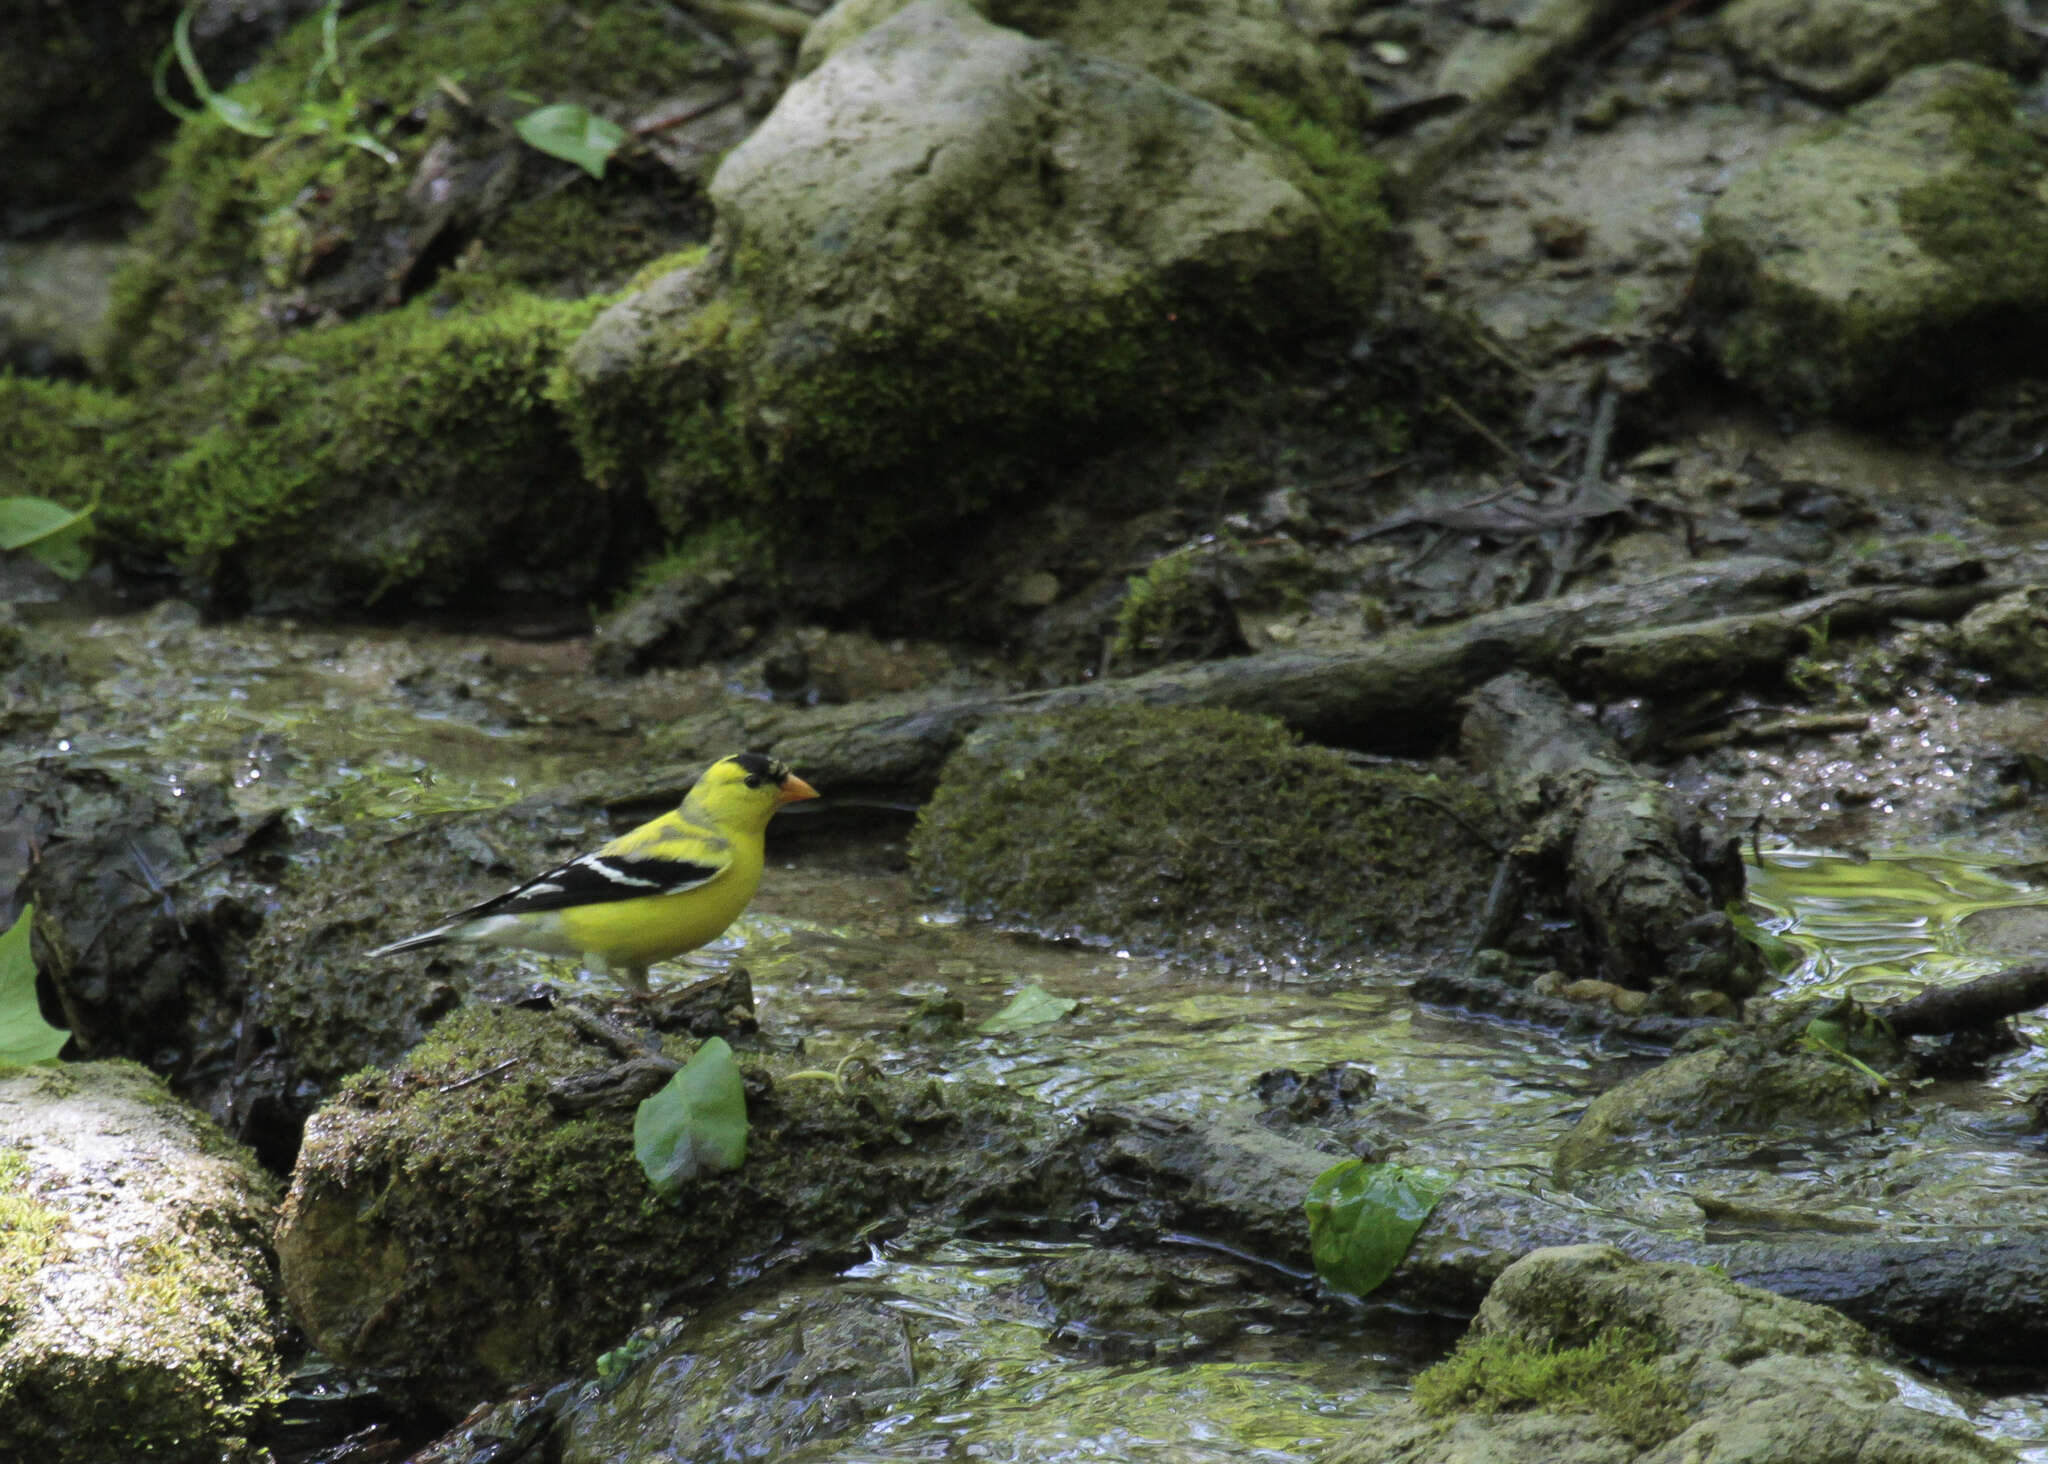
794	790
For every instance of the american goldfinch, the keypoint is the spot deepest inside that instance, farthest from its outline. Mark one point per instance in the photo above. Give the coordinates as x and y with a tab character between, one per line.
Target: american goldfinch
669	886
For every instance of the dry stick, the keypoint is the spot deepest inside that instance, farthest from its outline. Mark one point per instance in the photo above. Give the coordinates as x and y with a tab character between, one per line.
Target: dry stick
1819	723
782	19
488	1072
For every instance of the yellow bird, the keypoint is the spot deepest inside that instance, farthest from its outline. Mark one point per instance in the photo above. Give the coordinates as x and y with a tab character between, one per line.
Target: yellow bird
669	886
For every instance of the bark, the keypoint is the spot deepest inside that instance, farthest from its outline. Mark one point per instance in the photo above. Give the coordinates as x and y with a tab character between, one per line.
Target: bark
1646	886
1732	649
1714	624
1987	999
1398	693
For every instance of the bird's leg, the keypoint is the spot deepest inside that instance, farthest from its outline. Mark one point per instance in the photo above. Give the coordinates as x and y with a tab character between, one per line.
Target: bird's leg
635	978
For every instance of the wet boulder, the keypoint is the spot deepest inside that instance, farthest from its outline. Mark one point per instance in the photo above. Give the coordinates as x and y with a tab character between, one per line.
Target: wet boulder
1886	262
136	1316
449	1221
1844	50
1204	831
2008	637
1581	1355
950	248
1771	1079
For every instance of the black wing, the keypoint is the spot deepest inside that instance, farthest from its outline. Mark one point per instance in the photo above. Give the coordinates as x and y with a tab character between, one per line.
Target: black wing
596	879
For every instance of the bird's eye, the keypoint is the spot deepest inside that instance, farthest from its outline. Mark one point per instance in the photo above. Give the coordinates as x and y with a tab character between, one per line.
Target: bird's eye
753	780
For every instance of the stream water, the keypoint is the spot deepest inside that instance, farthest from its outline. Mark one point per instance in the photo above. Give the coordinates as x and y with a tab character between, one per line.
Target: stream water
841	950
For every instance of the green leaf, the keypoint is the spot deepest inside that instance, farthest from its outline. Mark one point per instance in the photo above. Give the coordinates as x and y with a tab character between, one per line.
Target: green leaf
1361	1218
1779	954
572	133
24	1036
1034	1006
227	109
50	531
697	1123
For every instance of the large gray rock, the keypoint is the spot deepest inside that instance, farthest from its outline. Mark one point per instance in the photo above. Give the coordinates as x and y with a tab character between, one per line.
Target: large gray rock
951	252
135	1319
1886	261
1843	50
1222	51
1752	1378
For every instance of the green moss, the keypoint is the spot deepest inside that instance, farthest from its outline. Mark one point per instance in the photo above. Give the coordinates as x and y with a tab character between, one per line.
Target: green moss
731	548
1343	178
28	1230
405	409
1614	1376
1201	830
72	443
1152	602
190	296
1987	219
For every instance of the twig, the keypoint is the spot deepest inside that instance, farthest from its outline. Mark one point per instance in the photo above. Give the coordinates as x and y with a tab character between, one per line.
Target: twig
490	1072
689	114
1815	722
1493	439
782	19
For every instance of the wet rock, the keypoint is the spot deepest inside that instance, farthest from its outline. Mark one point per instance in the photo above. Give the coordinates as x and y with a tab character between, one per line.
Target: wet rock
1120	1305
781	1378
1757	1082
878	234
147	892
1844	50
135	1310
445	1222
1672	1362
1202	831
2009	638
1884	263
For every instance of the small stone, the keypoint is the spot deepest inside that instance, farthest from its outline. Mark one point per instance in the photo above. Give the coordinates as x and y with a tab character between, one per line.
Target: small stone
1390	53
1036	590
1708	1003
1560	236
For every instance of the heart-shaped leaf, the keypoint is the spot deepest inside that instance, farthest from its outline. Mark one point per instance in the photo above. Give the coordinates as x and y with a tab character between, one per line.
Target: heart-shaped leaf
24	1036
572	133
50	531
1361	1218
697	1123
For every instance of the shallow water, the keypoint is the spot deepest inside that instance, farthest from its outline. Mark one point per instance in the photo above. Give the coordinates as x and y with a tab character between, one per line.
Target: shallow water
337	728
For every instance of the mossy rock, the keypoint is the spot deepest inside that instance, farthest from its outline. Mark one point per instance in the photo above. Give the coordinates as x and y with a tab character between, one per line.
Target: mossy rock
1753	1082
1583	1355
1843	50
947	247
136	1301
456	1229
1883	264
251	238
404	459
1203	832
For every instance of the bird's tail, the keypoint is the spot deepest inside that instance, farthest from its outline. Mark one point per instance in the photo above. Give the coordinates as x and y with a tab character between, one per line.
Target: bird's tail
438	936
